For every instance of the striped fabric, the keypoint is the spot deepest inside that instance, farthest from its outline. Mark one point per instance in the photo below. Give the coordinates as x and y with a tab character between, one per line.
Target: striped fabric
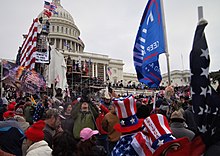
158	129
28	48
125	107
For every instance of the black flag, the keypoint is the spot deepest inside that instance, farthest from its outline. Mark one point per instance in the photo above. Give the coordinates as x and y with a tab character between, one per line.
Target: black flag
205	100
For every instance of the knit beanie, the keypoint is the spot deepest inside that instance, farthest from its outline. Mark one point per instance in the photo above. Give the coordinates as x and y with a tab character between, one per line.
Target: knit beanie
8	114
35	132
11	107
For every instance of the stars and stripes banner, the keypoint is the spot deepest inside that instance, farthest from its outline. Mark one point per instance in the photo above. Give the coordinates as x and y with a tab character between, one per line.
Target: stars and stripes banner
49	9
47	13
28	49
49	6
149	44
23	79
205	100
109	72
132	145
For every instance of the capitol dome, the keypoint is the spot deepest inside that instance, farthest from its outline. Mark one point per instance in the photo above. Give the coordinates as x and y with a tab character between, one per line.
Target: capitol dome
64	34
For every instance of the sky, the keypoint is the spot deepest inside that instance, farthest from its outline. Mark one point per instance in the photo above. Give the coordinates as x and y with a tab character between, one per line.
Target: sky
110	26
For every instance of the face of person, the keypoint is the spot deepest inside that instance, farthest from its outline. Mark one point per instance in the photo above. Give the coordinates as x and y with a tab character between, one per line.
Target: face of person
85	106
29	142
69	109
107	100
55	122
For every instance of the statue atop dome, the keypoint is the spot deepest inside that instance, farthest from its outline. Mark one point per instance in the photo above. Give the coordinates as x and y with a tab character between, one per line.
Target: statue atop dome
56	2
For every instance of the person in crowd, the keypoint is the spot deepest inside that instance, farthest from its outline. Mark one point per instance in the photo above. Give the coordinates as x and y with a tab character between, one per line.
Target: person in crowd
178	126
132	139
3	153
23	124
3	108
103	107
184	101
5	101
11	134
189	118
35	140
213	141
67	123
163	142
41	108
143	109
108	122
19	116
87	145
11	106
64	144
84	115
53	123
29	110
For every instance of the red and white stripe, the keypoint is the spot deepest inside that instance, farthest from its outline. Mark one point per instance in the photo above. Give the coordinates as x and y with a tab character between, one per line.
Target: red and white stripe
125	107
157	125
141	144
29	47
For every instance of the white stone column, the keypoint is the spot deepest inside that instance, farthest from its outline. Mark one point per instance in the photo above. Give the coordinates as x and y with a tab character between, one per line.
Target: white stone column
55	42
60	47
104	72
71	45
78	47
96	70
93	74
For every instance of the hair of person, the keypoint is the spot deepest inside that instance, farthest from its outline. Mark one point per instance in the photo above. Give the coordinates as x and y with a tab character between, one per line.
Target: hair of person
52	112
84	148
64	144
66	106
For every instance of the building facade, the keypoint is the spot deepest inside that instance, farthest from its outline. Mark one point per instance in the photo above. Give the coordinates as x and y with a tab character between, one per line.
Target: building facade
177	77
65	36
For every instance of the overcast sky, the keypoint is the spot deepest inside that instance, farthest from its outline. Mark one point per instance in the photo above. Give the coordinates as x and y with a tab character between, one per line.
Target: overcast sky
110	27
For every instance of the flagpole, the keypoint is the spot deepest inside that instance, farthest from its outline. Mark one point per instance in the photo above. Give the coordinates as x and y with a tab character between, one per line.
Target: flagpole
200	12
1	78
165	41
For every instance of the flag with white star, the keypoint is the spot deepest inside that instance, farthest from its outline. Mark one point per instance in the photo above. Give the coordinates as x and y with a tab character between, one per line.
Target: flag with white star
205	100
132	145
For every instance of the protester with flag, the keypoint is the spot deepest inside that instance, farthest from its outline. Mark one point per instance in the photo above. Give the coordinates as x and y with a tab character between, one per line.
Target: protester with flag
149	44
133	141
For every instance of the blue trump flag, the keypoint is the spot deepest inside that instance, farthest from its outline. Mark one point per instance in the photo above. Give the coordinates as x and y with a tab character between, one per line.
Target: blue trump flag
149	44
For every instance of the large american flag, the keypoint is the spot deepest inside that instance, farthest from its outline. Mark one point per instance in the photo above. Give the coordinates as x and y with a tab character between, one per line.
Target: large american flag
205	100
28	48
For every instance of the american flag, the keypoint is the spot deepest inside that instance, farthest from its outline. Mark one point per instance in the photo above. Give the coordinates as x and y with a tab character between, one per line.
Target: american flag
132	145
109	71
46	5
47	13
49	6
205	100
28	48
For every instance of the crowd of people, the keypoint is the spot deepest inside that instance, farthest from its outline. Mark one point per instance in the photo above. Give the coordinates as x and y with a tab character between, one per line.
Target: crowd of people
117	126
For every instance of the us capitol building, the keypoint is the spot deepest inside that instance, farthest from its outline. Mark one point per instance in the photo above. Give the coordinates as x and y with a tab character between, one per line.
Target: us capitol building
63	31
